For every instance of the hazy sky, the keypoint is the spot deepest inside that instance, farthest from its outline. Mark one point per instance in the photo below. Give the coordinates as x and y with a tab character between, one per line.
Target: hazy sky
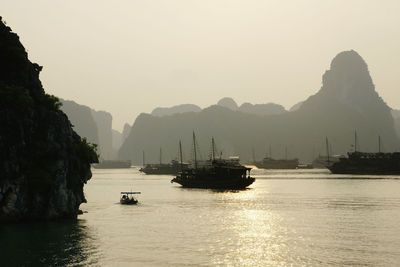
128	56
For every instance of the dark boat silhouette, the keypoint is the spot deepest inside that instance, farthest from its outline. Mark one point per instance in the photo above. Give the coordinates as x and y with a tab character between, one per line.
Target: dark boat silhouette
162	168
366	163
270	163
223	174
127	198
170	168
323	161
113	164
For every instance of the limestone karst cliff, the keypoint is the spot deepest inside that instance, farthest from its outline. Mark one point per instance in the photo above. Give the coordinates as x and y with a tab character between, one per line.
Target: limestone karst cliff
160	112
126	131
95	126
81	119
347	101
396	118
44	164
103	121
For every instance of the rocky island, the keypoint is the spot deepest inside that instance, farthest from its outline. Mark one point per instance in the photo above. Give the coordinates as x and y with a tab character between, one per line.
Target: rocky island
44	163
346	102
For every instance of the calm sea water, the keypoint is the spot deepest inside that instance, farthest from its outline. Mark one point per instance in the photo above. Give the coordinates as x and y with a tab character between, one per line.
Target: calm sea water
299	218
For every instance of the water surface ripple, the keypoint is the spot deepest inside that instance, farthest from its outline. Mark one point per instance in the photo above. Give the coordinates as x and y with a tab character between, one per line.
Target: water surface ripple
300	218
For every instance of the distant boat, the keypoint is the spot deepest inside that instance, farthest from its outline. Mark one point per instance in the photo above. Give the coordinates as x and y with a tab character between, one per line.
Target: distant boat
225	174
113	164
270	163
367	163
127	198
325	160
163	168
305	166
171	168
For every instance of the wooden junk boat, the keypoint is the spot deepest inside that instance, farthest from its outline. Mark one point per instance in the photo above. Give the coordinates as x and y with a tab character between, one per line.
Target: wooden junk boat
223	174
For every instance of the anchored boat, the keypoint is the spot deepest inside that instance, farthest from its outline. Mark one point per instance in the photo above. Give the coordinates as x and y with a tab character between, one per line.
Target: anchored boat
113	164
225	174
356	162
269	163
162	168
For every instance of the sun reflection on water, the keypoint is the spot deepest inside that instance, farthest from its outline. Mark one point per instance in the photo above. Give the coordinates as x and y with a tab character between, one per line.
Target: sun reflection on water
251	232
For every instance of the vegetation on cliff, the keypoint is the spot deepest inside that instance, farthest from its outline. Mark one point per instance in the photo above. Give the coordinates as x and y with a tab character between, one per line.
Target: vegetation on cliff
43	162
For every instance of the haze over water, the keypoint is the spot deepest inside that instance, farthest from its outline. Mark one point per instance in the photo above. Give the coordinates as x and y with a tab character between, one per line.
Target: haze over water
304	218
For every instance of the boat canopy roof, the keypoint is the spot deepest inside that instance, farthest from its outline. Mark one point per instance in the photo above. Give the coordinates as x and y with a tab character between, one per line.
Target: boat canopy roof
128	193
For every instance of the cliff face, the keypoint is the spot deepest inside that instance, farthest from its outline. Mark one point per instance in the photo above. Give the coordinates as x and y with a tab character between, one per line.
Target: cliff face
94	125
81	119
126	131
347	101
43	162
104	126
396	118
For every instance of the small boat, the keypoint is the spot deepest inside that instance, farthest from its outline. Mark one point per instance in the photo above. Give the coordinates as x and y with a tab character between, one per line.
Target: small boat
128	199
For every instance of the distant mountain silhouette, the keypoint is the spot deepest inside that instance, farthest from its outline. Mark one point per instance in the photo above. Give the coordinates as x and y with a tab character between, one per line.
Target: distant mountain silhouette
228	102
259	109
396	118
159	112
116	142
103	120
262	109
347	101
92	124
81	119
126	131
296	106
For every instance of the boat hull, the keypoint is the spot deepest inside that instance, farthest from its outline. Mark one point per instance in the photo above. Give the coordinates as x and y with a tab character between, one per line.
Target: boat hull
160	171
113	164
362	170
163	169
368	164
128	201
214	183
277	164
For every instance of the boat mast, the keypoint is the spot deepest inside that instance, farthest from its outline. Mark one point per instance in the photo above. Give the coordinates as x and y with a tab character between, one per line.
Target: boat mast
213	148
143	158
270	151
160	155
327	147
285	152
195	153
254	155
379	144
180	154
355	141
